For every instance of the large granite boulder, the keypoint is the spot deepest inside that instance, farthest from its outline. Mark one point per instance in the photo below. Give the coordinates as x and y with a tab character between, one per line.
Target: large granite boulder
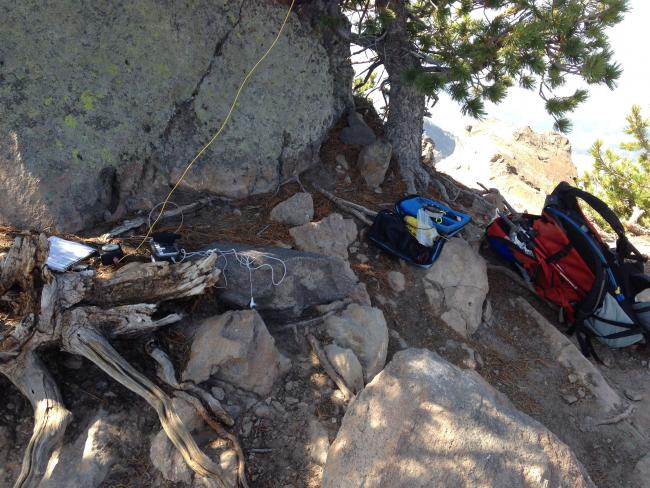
104	104
423	422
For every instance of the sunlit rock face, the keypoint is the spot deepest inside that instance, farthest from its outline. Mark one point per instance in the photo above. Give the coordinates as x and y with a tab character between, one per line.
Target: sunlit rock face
522	164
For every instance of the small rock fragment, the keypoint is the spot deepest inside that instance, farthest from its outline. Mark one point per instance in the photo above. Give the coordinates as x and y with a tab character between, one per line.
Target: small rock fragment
396	281
297	210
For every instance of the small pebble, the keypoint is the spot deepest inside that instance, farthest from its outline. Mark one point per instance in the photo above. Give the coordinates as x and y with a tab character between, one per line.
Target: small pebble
570	398
582	393
263	411
291	400
218	393
573	378
246	428
362	258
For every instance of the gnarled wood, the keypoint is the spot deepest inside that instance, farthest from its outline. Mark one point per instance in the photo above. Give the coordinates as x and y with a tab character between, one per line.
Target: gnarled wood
76	311
166	372
19	269
153	282
51	418
82	339
127	320
221	432
27	253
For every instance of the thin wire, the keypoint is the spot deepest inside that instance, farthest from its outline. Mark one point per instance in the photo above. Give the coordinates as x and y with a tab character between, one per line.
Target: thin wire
223	125
252	262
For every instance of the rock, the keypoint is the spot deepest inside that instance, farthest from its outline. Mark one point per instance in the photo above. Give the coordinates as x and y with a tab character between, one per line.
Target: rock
362	329
310	280
347	365
297	210
423	422
573	378
263	411
641	473
341	161
569	398
106	127
396	281
456	287
318	442
218	393
373	162
522	164
88	459
428	152
330	236
569	356
237	348
357	133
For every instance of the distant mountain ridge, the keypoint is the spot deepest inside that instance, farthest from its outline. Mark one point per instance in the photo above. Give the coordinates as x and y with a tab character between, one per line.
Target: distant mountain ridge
522	164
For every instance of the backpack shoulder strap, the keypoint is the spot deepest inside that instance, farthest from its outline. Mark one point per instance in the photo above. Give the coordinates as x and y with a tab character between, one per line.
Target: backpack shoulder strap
565	197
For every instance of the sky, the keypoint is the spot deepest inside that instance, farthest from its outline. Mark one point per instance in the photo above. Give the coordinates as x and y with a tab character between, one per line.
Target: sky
602	116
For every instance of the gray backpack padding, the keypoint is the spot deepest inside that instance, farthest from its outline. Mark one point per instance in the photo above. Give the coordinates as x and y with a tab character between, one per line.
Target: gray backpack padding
642	310
601	323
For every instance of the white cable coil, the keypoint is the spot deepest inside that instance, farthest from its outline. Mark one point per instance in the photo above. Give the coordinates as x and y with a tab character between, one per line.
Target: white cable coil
250	260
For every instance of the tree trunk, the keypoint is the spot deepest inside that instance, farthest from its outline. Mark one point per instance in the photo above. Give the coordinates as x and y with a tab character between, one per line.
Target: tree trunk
404	130
406	106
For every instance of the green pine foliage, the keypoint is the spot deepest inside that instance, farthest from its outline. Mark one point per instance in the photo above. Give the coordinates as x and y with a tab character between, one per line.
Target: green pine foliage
475	50
623	180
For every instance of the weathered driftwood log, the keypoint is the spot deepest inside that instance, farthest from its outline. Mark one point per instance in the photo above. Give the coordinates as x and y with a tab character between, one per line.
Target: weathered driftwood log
27	372
79	312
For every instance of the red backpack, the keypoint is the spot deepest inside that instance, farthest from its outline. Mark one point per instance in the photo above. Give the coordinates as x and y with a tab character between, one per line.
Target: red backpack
565	261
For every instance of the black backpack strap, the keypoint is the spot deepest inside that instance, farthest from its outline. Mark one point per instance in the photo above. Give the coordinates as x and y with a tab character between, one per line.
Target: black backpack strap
565	196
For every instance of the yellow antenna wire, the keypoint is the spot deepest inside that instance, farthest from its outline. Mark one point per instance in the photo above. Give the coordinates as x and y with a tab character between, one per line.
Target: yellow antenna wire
223	125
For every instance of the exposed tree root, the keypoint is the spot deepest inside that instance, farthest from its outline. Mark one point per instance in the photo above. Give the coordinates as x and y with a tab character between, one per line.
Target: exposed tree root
87	342
221	432
51	418
359	211
128	225
78	312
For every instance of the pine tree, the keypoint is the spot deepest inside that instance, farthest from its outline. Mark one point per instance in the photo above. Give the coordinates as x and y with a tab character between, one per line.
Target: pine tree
475	50
623	180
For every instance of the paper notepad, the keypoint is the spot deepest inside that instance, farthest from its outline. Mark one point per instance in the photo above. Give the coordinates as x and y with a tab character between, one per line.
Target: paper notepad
64	254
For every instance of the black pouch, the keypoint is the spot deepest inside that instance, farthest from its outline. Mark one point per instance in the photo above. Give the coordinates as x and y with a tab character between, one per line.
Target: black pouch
389	233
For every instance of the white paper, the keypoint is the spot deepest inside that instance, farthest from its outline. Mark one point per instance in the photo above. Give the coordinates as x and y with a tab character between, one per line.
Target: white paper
64	254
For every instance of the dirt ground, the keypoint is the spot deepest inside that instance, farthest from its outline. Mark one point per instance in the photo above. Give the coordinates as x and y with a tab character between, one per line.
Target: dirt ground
510	354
